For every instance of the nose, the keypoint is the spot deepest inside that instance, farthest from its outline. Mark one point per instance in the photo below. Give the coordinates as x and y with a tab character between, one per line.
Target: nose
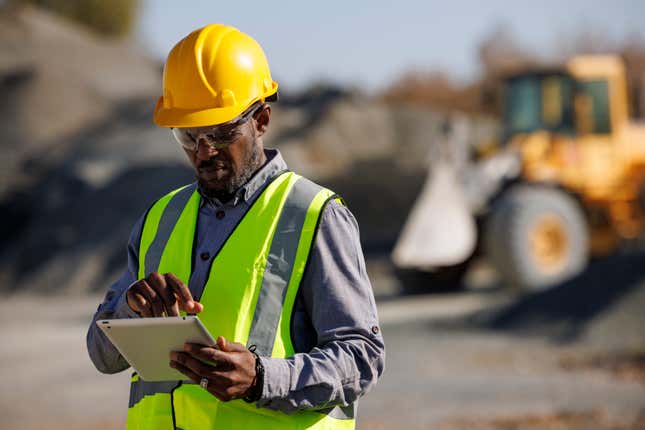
204	150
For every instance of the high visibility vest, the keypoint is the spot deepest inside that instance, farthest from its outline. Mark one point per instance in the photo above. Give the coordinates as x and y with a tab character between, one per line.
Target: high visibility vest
248	298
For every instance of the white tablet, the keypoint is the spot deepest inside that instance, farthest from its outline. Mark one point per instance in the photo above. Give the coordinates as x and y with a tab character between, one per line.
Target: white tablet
146	342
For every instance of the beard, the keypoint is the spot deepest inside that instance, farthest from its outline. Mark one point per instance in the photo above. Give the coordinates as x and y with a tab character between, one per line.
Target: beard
219	177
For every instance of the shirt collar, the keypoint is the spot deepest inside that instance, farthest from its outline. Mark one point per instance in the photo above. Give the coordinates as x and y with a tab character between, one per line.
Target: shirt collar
274	164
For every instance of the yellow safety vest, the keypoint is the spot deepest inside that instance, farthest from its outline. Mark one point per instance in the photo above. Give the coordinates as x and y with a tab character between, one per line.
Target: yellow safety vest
248	298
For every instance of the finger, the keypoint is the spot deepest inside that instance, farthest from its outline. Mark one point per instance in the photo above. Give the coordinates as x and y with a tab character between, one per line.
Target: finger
193	364
219	380
206	354
210	354
220	383
222	343
186	371
225	345
168	298
217	390
224	378
226	385
173	310
186	302
213	388
138	302
145	310
223	394
222	387
152	297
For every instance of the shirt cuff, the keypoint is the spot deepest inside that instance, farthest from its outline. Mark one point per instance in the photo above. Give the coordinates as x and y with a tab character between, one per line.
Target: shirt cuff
277	379
122	309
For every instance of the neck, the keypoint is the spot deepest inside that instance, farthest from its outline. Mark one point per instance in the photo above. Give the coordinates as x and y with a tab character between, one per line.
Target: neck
221	195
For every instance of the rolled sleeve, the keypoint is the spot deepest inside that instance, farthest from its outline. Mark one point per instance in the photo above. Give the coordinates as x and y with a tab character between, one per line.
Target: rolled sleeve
349	355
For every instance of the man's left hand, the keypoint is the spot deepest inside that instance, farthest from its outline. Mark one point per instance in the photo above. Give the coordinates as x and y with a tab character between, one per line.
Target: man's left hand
229	367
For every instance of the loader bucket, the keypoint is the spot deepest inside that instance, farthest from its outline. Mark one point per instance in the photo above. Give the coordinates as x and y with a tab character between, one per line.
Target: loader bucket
440	230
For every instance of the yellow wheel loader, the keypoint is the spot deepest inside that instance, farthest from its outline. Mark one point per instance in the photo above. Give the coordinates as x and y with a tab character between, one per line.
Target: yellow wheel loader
565	180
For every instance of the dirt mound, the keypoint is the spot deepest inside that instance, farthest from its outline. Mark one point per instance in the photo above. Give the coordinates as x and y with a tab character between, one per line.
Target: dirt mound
56	79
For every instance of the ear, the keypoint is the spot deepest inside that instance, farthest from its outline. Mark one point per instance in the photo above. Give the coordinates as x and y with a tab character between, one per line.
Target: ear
262	120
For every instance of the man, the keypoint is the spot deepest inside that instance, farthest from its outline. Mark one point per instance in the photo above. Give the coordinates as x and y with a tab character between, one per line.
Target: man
270	261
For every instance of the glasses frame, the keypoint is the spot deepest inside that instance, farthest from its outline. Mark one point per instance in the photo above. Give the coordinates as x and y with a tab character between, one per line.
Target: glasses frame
185	138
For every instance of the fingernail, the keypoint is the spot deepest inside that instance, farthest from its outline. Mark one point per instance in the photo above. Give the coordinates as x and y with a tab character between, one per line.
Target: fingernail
190	303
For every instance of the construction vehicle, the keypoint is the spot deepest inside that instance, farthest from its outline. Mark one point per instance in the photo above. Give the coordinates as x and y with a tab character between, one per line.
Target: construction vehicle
563	182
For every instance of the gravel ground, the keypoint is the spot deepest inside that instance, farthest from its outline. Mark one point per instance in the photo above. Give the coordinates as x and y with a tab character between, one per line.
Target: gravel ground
471	361
452	379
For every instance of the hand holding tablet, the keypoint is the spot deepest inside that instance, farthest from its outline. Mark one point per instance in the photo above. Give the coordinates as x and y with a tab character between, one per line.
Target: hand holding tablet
146	343
227	370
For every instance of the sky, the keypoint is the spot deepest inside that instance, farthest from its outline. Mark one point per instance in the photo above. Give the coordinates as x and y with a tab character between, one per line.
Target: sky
369	44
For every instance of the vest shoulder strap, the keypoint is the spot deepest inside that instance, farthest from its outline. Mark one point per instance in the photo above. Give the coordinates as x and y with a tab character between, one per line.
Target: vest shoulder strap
173	206
306	199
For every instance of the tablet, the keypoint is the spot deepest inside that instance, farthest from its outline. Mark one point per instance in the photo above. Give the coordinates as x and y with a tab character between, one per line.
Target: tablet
146	342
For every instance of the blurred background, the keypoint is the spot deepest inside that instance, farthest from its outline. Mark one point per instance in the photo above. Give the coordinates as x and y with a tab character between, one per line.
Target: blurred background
493	154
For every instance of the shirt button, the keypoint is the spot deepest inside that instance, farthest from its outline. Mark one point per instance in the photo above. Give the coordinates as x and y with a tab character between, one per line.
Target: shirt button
375	329
204	256
220	214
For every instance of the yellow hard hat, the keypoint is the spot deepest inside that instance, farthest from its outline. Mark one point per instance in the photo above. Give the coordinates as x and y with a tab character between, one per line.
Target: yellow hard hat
211	76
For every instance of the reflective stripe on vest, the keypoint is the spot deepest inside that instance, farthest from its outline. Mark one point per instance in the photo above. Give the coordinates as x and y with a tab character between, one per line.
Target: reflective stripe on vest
248	298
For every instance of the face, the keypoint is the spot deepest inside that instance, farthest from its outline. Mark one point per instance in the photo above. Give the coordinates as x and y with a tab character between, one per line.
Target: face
226	169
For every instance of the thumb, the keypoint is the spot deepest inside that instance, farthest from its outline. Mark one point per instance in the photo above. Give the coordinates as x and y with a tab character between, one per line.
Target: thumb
223	344
227	346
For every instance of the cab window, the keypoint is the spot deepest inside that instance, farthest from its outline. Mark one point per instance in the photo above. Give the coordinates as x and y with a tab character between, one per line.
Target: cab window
594	96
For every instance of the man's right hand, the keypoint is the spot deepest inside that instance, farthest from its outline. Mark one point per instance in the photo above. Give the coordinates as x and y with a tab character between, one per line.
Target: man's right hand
161	295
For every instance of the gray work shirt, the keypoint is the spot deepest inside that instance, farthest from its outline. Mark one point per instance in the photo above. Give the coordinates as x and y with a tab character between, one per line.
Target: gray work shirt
334	326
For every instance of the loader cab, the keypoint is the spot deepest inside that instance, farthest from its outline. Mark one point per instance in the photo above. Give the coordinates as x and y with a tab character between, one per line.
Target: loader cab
588	97
538	101
601	94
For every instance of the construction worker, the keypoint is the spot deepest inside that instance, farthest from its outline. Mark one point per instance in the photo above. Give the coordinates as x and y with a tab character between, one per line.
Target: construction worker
270	261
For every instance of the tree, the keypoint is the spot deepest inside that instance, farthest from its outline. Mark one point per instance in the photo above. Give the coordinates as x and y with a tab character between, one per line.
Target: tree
107	17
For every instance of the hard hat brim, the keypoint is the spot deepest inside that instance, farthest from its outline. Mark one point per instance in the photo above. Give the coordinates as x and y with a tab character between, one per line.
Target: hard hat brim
175	117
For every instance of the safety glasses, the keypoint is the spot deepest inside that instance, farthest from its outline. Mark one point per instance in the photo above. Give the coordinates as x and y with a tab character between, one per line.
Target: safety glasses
219	136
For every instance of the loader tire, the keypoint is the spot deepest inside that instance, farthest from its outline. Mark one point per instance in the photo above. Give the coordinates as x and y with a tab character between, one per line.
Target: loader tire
536	237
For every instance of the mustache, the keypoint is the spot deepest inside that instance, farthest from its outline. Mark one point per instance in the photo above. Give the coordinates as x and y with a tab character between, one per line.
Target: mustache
213	162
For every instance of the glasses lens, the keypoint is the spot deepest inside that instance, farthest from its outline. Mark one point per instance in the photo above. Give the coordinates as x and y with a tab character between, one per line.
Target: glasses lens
218	137
184	139
215	138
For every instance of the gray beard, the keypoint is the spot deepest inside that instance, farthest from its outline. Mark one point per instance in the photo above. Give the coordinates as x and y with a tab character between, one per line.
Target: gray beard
249	166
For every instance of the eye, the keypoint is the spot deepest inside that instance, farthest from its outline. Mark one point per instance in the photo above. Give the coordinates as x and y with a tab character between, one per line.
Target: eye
223	135
213	137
